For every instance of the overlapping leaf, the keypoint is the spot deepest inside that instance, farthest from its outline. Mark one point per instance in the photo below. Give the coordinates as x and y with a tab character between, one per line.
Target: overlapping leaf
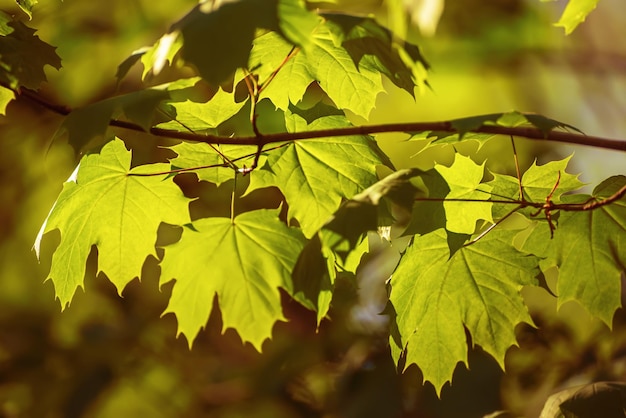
589	248
201	116
314	175
23	55
108	206
463	129
342	240
206	162
244	262
86	126
347	57
538	183
27	6
217	39
464	178
436	295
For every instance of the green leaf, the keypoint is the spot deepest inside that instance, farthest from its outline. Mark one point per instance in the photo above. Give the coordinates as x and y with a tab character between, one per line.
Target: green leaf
107	205
27	6
194	116
217	40
154	58
464	127
589	248
244	262
315	174
210	166
464	178
6	96
575	13
23	55
435	295
296	23
538	183
314	276
86	127
373	47
346	58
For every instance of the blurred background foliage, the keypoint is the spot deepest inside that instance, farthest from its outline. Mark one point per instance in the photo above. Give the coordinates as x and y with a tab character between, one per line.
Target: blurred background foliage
107	356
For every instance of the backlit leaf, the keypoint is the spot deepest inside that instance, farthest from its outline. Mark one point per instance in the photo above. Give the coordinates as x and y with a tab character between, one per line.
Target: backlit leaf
575	13
106	205
436	295
464	178
86	127
589	248
244	262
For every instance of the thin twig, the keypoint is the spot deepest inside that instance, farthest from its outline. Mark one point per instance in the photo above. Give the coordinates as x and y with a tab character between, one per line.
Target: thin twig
227	160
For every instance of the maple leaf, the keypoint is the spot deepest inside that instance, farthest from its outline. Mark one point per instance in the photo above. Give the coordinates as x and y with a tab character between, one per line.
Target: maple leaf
243	261
435	295
538	182
86	126
314	175
464	178
107	205
589	248
23	55
201	116
206	162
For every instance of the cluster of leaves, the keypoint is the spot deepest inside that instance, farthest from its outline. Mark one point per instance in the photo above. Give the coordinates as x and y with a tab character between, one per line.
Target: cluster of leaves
476	238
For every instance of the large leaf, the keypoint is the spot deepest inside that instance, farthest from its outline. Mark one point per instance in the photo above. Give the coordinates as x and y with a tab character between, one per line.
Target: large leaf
347	57
314	175
436	295
107	206
217	39
589	248
464	178
244	262
23	55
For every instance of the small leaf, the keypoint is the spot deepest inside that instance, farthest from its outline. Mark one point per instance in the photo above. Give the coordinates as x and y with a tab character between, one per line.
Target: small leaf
575	13
538	182
464	179
190	115
120	213
208	164
6	96
435	295
27	6
244	262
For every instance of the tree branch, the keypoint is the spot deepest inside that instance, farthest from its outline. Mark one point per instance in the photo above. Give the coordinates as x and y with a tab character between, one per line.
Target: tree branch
444	126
